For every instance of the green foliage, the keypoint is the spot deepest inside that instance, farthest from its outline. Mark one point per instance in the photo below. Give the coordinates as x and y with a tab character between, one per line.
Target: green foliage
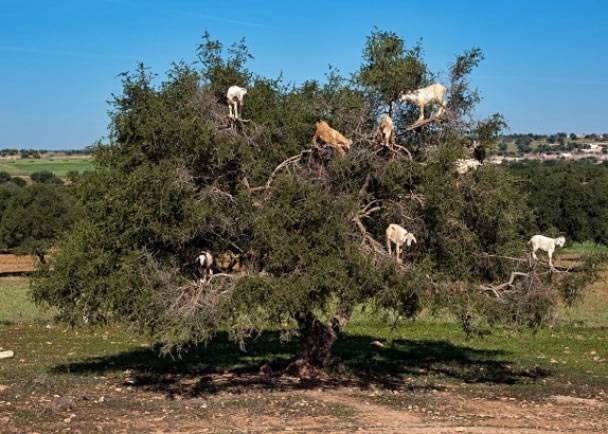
176	178
569	198
19	182
389	68
221	71
7	191
5	177
45	177
33	217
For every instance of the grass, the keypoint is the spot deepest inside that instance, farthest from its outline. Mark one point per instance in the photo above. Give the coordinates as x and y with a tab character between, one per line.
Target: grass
576	348
16	306
586	247
59	166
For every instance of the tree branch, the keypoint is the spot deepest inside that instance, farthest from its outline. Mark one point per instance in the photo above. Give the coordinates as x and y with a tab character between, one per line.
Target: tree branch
285	163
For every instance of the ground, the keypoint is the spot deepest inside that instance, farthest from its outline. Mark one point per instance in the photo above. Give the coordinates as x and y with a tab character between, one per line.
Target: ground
426	379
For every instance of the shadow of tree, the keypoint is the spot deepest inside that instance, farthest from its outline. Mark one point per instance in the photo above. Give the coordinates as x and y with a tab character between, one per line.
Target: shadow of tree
222	366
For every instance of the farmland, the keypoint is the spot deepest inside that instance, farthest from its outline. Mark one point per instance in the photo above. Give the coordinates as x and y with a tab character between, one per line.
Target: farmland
60	166
428	378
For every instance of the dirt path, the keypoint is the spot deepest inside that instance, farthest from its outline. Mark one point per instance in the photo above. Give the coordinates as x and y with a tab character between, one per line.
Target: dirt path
557	414
114	407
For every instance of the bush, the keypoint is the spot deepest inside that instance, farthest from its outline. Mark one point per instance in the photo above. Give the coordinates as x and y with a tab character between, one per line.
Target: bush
19	182
4	177
33	217
45	177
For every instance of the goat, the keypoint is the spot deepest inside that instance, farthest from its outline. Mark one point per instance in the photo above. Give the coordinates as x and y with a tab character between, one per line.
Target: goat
464	165
421	97
235	97
398	235
227	262
387	130
204	262
331	137
547	244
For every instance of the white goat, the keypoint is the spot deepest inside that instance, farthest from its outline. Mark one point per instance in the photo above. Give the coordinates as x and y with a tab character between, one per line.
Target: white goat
421	97
464	165
398	235
204	262
235	97
387	130
547	244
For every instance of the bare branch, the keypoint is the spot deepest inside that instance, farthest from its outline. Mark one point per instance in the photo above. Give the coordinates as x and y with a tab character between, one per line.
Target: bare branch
507	284
285	163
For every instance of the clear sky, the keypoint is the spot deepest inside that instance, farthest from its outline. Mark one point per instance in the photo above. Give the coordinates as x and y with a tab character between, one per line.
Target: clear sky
546	66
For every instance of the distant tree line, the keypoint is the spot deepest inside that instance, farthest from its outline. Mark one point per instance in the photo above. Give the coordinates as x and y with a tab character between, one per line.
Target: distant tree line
567	197
547	144
37	153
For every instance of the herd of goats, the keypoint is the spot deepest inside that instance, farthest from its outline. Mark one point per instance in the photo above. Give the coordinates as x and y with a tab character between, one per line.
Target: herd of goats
229	262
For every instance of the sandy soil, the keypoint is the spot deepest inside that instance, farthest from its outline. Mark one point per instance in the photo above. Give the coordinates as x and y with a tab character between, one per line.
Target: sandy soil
127	406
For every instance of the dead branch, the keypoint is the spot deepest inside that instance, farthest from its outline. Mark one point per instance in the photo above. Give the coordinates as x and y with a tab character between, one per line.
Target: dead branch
507	284
218	192
231	276
367	238
369	209
285	163
422	123
402	148
363	189
510	258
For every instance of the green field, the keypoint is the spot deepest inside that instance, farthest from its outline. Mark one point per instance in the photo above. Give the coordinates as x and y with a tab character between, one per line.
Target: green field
439	347
59	166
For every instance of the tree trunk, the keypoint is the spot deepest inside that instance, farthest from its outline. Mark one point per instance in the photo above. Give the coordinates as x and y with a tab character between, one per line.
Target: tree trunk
317	340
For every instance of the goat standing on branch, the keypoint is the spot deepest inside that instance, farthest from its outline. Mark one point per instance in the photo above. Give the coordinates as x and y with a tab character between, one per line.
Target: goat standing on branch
434	93
235	97
547	244
398	235
331	137
465	165
204	262
387	130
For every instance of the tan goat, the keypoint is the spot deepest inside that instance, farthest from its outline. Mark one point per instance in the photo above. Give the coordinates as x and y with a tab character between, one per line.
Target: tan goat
332	137
387	130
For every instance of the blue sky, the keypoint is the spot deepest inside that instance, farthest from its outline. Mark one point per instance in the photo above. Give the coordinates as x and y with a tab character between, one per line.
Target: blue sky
546	64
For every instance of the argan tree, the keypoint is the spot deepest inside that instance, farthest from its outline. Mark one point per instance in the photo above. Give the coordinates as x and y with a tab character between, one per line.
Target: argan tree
176	177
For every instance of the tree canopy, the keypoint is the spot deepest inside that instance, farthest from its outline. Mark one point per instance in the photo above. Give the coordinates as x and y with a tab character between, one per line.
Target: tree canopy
176	178
33	217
